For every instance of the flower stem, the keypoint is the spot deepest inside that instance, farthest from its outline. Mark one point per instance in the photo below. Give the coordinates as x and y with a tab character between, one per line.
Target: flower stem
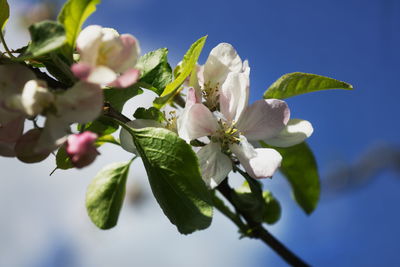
252	229
5	45
259	232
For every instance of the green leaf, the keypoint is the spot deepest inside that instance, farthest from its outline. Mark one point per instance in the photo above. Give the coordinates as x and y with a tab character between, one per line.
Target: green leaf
149	114
175	179
106	139
300	168
298	83
72	16
4	13
56	65
63	161
46	36
188	63
101	126
272	211
118	97
250	201
106	193
155	70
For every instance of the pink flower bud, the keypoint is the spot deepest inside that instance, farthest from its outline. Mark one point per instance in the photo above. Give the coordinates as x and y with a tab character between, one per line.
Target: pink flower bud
81	149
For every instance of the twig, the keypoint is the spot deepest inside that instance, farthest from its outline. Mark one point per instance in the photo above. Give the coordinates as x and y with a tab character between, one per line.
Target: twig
259	232
109	111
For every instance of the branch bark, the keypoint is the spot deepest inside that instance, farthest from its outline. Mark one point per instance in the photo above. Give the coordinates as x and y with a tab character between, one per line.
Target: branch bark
259	232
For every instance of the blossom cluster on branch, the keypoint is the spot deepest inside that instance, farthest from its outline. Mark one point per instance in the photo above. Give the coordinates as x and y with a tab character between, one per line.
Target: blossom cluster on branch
72	84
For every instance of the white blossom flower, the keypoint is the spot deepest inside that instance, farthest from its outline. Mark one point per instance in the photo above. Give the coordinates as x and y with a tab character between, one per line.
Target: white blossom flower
234	124
34	99
104	55
222	61
81	103
13	77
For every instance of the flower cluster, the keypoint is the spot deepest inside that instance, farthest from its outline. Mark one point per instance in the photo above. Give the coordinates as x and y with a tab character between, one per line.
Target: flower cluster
217	109
105	59
71	85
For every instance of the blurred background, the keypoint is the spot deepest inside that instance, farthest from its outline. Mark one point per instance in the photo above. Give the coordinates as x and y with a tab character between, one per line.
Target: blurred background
356	140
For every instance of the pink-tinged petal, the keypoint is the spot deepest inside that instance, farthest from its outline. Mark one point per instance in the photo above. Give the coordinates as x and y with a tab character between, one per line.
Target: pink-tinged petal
234	96
24	148
222	60
53	134
88	44
192	98
81	70
126	138
81	149
264	119
129	54
128	78
215	165
196	121
258	163
11	132
82	103
295	132
101	75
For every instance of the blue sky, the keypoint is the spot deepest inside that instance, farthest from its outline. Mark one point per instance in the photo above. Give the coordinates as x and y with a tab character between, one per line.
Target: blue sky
355	41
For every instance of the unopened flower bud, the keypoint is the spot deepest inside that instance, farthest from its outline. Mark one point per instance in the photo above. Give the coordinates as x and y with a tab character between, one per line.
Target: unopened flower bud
80	148
35	97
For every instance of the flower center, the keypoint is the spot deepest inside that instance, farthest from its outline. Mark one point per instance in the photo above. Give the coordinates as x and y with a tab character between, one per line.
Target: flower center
210	94
172	121
227	134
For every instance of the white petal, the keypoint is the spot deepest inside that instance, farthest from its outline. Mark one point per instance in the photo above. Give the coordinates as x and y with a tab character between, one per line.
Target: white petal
129	54
264	119
295	132
88	44
222	60
54	133
258	163
82	103
234	96
126	138
192	98
36	97
196	121
214	164
101	75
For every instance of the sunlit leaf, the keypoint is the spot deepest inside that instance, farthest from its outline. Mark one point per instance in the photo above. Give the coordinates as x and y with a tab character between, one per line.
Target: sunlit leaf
175	179
149	114
188	63
297	83
4	13
155	70
106	193
46	36
73	14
